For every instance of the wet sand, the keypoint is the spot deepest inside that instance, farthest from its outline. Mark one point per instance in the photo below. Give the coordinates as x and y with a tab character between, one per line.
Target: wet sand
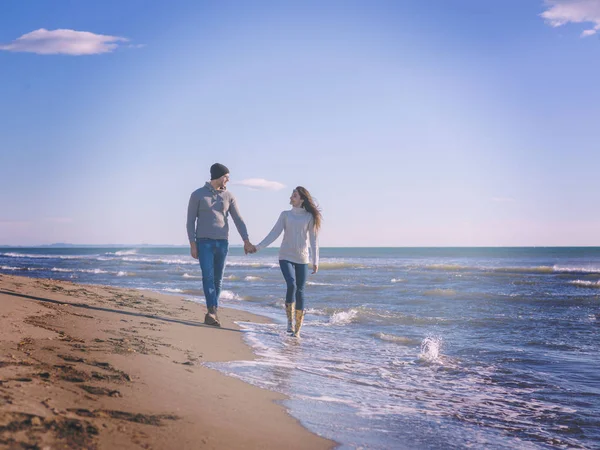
97	367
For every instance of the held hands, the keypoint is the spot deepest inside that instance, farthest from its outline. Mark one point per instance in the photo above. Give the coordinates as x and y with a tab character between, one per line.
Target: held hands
249	248
315	268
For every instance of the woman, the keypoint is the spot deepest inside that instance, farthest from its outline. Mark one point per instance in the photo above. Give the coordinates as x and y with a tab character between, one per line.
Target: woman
299	225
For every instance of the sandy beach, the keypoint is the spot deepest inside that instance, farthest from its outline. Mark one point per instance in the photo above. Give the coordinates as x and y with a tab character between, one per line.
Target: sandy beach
99	367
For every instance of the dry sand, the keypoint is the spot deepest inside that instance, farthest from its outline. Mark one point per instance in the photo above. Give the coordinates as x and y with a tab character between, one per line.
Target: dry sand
98	367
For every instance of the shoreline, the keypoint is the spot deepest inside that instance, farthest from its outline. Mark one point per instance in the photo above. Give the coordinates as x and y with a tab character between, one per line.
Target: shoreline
90	366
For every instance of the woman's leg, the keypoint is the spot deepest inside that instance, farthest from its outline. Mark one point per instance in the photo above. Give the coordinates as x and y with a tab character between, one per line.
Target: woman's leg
288	275
301	271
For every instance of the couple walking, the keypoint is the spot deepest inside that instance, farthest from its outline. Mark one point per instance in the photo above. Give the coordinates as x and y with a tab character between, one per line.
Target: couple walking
208	231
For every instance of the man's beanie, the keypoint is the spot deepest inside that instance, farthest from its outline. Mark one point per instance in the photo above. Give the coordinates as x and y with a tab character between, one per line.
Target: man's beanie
217	171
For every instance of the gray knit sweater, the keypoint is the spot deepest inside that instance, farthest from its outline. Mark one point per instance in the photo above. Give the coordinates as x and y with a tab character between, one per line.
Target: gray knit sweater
207	214
298	229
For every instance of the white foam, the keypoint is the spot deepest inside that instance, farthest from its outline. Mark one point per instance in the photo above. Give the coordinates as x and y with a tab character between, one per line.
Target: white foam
27	255
251	264
162	261
13	268
228	295
175	290
187	275
585	283
394	338
120	273
61	269
588	269
343	317
430	348
124	252
397	280
251	278
315	283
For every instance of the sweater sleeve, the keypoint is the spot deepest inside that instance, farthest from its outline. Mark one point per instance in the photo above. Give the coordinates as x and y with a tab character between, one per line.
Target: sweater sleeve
192	212
314	243
274	234
237	219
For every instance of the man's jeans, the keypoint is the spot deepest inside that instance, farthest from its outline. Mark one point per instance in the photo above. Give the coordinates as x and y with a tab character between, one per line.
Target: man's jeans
295	277
212	254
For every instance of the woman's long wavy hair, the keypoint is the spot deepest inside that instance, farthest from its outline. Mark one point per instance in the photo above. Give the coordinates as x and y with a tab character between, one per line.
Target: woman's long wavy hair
310	205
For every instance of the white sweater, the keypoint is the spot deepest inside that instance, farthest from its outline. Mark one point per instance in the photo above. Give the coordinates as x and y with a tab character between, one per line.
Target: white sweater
298	227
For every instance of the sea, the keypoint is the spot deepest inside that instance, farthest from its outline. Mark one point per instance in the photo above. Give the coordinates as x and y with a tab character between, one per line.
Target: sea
402	348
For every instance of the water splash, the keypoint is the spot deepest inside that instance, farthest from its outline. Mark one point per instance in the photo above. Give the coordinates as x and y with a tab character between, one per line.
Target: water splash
430	349
343	317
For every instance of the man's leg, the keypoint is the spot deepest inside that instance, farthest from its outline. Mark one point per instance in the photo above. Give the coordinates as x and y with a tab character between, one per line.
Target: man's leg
206	250
220	256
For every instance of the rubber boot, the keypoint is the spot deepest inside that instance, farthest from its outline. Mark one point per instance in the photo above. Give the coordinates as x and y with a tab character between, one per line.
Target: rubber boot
289	311
299	320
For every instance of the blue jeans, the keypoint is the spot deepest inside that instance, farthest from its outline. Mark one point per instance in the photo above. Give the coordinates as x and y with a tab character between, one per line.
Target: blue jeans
212	254
295	277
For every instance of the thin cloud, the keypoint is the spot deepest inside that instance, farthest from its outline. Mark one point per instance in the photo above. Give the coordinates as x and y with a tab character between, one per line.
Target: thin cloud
503	199
65	42
14	223
59	219
261	183
562	12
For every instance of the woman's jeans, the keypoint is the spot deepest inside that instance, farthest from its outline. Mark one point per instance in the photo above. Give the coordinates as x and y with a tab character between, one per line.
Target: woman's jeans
295	277
212	254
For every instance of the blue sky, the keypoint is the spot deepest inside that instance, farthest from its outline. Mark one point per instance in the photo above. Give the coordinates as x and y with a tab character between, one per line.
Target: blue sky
414	123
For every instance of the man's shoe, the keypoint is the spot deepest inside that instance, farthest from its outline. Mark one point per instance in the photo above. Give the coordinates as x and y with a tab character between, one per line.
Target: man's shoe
211	318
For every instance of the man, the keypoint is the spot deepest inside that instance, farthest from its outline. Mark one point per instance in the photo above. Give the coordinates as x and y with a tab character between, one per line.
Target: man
208	232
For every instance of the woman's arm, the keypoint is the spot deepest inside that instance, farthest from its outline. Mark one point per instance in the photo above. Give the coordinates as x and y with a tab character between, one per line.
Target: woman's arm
274	234
314	245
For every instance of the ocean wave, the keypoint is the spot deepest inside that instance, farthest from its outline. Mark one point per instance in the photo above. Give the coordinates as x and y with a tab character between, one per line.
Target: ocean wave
440	292
397	280
431	348
161	261
340	265
251	278
587	269
362	314
254	265
402	340
343	317
16	268
34	256
195	292
315	283
229	295
173	290
510	269
448	267
96	271
586	284
187	275
122	253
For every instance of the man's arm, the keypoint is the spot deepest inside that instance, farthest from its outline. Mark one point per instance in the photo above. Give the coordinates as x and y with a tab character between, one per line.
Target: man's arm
240	225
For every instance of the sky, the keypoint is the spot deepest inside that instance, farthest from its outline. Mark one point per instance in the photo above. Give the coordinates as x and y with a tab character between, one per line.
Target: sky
413	123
